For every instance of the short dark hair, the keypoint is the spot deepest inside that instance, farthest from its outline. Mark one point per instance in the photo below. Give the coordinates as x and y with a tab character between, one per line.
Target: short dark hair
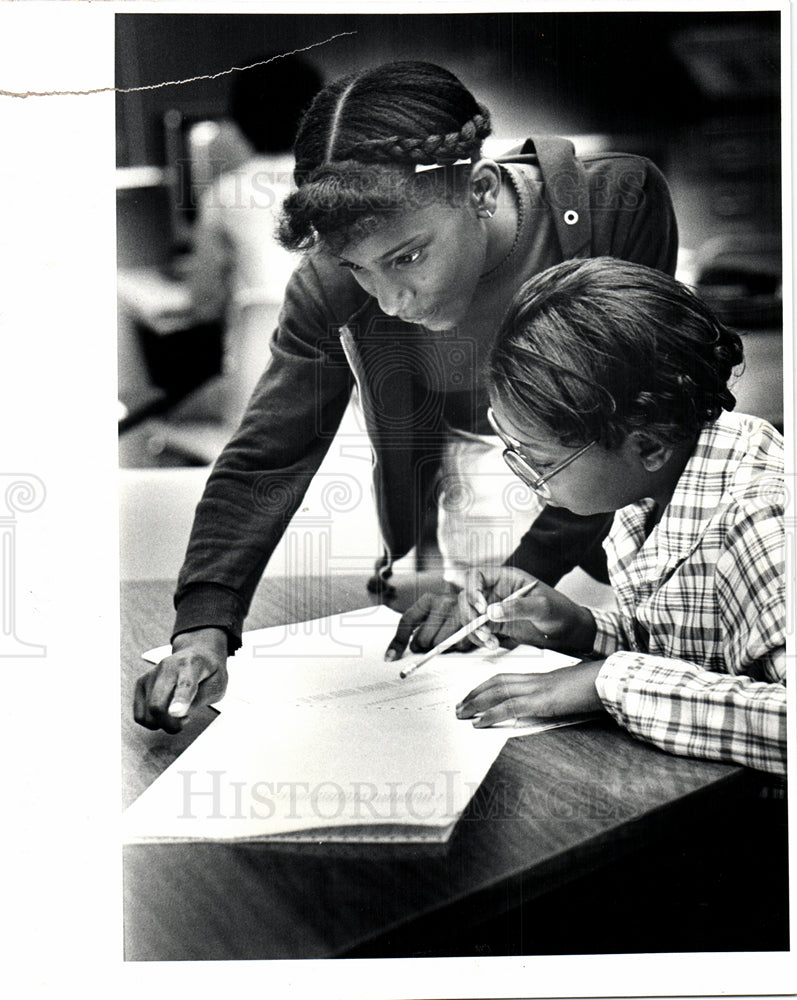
359	144
594	349
267	101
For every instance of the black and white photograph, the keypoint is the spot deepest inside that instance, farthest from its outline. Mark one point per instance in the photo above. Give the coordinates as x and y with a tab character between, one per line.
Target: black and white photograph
431	605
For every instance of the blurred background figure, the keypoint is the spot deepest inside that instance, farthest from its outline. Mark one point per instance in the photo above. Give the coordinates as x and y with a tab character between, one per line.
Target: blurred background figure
236	262
203	316
236	271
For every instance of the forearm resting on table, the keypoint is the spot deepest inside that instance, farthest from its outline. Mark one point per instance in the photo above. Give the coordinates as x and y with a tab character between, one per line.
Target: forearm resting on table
685	709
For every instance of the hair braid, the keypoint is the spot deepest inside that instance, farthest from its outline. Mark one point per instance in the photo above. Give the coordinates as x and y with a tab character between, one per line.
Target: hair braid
433	149
360	140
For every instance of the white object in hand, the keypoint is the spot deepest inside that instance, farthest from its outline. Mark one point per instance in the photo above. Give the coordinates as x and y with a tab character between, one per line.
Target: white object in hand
466	630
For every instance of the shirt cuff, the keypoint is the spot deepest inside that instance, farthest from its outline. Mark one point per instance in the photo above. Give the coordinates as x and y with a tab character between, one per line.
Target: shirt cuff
608	633
612	679
209	605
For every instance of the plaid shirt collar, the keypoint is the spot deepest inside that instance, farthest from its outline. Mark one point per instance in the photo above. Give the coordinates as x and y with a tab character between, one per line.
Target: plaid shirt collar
638	562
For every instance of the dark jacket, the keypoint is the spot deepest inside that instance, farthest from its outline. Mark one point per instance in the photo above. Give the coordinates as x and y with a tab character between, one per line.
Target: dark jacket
331	335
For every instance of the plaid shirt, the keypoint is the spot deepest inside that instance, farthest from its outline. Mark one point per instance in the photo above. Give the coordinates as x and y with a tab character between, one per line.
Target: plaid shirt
696	651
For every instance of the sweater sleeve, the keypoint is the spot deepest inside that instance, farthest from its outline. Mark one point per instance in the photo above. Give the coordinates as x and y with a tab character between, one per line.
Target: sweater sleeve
262	475
559	540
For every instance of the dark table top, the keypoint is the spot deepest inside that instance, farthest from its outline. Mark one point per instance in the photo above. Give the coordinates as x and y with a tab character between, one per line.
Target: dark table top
554	806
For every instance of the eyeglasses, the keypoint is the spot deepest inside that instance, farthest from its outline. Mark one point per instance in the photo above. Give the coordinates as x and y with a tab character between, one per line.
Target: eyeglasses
521	467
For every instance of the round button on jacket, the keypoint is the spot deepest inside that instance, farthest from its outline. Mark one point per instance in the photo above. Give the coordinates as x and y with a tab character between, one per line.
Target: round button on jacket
571	217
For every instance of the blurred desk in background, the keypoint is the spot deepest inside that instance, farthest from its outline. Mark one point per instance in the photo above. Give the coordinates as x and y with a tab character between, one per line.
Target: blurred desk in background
161	344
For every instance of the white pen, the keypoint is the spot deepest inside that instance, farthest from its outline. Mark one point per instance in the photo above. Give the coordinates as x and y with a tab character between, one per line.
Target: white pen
466	630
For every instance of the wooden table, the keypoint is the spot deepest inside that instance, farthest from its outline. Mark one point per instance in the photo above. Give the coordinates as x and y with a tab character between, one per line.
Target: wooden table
570	833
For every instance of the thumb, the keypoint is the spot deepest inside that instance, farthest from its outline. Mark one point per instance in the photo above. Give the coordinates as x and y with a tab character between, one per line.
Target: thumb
496	613
518	608
189	678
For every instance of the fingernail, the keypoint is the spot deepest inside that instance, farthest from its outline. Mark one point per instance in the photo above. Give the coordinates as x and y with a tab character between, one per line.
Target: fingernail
481	603
492	643
484	634
178	710
390	655
495	612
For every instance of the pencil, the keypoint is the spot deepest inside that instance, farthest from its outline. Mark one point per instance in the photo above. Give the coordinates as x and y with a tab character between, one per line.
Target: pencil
466	630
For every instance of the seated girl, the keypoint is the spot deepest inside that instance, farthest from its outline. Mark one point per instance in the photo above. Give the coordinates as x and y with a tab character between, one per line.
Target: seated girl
609	389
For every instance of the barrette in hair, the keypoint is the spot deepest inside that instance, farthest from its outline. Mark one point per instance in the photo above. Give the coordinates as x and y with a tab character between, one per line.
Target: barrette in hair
419	167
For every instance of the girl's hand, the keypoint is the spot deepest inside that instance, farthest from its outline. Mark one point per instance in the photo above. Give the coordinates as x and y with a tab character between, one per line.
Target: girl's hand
432	618
544	617
193	675
567	691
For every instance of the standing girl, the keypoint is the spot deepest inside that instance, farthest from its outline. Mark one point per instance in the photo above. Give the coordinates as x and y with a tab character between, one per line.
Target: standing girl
414	246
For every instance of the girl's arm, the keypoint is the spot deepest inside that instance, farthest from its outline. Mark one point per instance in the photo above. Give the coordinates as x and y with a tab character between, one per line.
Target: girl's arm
739	715
687	710
261	476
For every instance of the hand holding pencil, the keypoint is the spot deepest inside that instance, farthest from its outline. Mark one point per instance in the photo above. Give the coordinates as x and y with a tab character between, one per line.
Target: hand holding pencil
482	614
493	610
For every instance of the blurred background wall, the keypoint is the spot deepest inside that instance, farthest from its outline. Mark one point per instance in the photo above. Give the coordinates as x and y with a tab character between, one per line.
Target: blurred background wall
626	73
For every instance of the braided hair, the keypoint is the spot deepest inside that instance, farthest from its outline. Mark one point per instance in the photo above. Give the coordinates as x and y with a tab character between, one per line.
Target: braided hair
360	142
594	349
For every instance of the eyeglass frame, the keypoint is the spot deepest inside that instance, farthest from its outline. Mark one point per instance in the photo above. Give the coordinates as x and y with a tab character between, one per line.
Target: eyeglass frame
522	468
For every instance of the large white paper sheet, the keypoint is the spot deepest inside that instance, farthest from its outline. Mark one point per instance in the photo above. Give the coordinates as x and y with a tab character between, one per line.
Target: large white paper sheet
320	738
318	774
